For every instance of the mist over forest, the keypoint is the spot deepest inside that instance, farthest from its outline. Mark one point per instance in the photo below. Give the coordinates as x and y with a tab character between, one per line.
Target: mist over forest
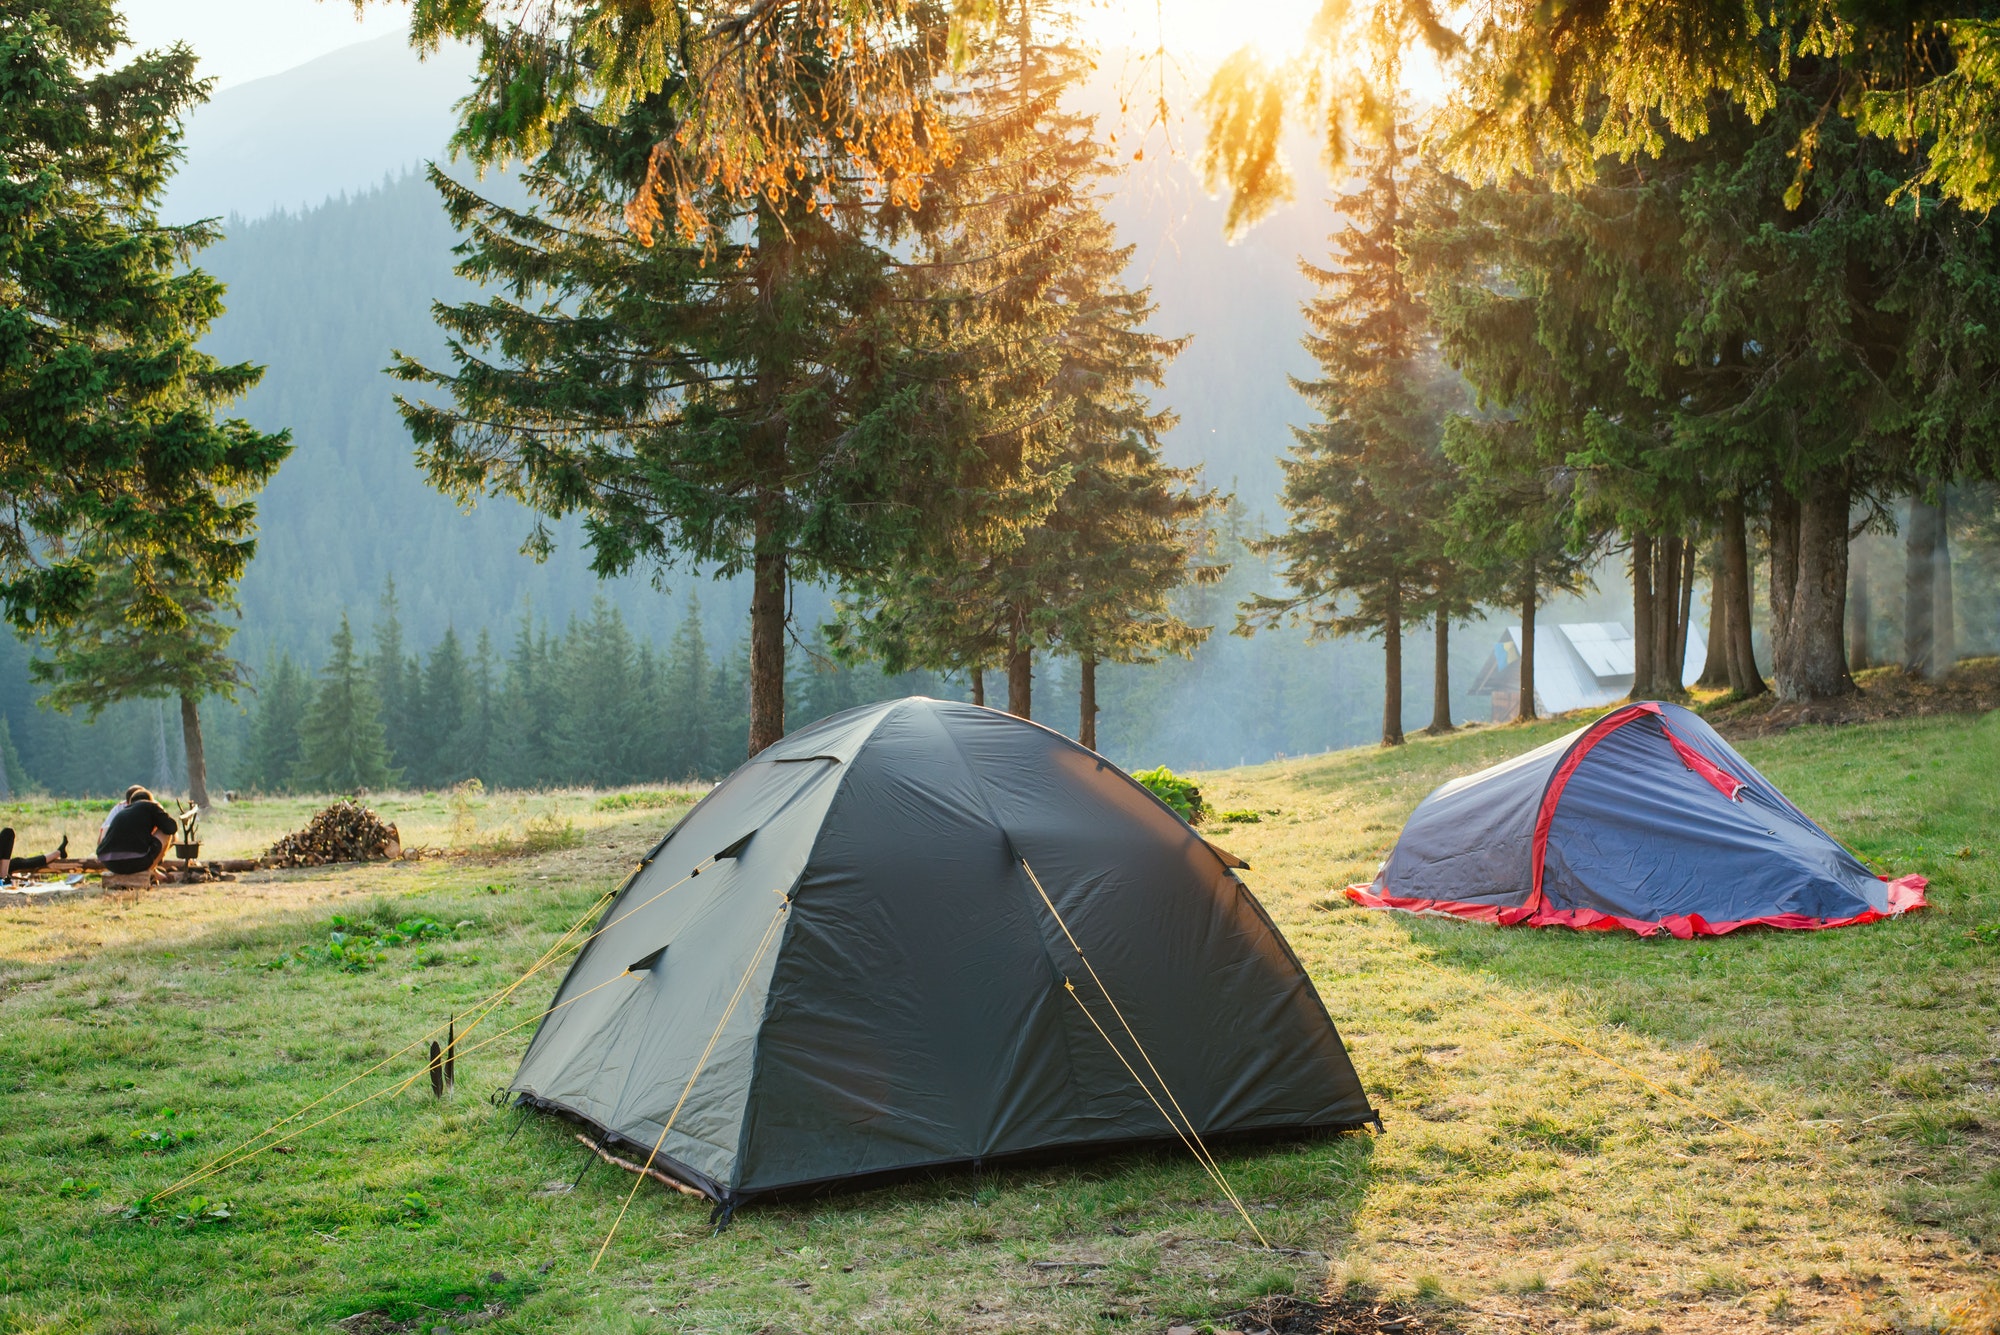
334	248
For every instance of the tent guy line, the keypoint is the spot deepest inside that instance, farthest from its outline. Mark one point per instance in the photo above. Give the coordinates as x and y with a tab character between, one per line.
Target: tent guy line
385	1091
480	1009
742	985
1195	1147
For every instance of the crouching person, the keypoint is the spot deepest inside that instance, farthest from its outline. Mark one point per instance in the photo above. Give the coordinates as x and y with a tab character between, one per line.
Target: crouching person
136	837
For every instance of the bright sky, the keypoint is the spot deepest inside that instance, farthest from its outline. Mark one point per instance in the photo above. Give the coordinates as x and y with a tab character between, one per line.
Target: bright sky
238	40
1199	32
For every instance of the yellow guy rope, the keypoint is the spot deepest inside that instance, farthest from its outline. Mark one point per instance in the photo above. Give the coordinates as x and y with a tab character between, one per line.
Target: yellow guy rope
494	998
480	1010
389	1090
1195	1145
742	984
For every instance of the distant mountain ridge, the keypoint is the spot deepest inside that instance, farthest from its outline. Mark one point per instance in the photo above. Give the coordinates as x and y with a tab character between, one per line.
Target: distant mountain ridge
337	124
321	294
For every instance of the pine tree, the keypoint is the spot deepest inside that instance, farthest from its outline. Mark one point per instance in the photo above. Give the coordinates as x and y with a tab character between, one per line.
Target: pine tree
107	407
398	684
284	695
113	653
341	745
445	724
1368	486
1128	532
770	400
600	701
688	703
1024	226
521	747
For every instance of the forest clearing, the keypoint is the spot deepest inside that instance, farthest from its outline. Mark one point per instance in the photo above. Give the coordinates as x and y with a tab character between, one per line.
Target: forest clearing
1585	1131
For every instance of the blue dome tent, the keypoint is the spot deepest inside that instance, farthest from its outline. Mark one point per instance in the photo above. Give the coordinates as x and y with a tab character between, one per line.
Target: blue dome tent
1645	820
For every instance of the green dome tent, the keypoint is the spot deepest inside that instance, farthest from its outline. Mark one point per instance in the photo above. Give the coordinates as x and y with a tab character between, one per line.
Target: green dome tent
919	934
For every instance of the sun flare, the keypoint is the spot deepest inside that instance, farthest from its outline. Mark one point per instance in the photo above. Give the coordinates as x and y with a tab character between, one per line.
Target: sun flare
1199	33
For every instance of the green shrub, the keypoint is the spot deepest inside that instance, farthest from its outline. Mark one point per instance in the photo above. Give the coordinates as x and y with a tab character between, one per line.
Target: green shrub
1180	794
1239	817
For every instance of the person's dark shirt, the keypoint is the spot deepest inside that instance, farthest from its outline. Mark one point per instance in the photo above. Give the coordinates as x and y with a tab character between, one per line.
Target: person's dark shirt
130	833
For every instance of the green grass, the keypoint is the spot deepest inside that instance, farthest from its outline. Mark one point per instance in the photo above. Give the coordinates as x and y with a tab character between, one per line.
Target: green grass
1853	1180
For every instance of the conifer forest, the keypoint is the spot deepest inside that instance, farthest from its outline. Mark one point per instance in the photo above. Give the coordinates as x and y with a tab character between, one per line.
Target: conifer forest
734	365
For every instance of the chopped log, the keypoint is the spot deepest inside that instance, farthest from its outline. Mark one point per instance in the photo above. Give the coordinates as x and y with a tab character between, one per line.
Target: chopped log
630	1167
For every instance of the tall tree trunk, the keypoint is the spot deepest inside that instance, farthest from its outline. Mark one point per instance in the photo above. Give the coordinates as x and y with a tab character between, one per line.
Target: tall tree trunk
1392	650
1441	679
1919	585
979	686
1642	616
1860	609
1020	669
1944	625
1816	666
1666	605
1524	710
1086	704
768	588
1744	678
1784	525
1715	664
1684	615
197	758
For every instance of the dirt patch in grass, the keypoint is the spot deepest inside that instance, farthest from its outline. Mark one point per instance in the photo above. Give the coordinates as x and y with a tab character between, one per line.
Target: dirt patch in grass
1973	687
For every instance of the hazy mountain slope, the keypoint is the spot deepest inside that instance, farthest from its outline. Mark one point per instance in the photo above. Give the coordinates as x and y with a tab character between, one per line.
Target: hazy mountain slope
338	123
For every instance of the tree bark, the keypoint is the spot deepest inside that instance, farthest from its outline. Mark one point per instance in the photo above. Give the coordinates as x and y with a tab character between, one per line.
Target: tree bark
1784	525
1919	585
1441	679
1392	650
1642	616
1715	664
1744	678
197	758
1524	711
1860	609
1944	625
1684	616
1020	669
767	630
1666	607
1086	723
979	686
1815	668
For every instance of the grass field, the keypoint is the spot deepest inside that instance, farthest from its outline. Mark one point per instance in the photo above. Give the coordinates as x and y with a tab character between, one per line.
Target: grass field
1585	1132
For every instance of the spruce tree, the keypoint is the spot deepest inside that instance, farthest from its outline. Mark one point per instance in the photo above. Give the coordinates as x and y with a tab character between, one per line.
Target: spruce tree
398	683
108	436
688	701
1368	487
112	652
341	745
1024	226
284	695
444	725
599	713
772	399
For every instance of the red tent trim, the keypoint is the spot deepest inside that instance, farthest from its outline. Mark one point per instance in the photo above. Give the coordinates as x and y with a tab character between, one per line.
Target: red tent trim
1906	894
1597	732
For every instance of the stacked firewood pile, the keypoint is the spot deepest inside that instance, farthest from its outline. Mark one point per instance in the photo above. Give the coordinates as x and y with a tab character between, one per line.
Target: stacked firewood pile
344	832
